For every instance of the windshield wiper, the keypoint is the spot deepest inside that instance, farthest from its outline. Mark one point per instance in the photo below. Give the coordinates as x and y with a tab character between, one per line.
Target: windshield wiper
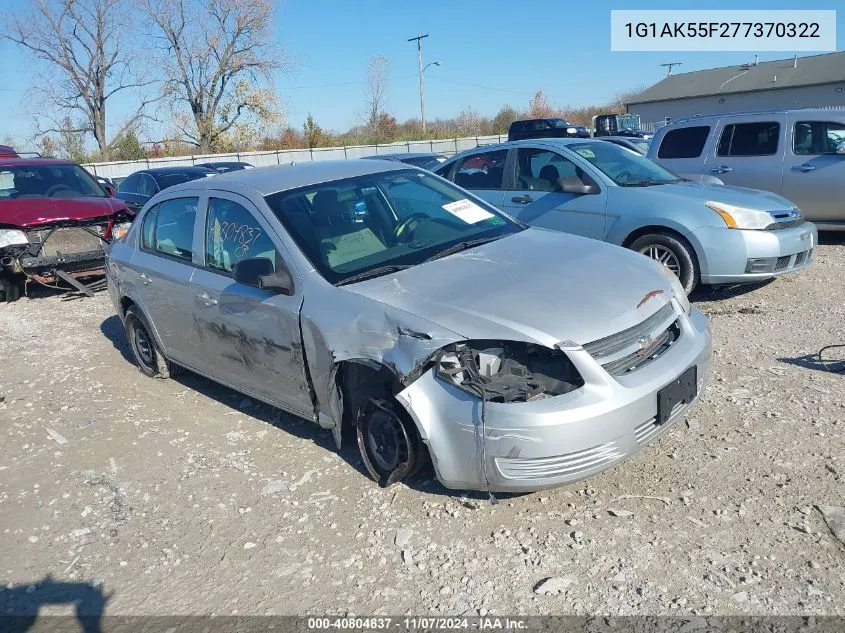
461	246
374	272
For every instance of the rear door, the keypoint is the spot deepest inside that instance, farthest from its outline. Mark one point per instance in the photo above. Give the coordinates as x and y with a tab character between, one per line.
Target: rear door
749	153
483	174
163	266
813	173
250	336
532	195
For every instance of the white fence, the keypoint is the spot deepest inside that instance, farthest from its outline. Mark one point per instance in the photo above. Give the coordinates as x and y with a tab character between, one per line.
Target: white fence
121	169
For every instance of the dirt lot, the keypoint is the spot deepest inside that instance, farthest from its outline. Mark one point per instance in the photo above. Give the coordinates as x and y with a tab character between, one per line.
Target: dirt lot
182	497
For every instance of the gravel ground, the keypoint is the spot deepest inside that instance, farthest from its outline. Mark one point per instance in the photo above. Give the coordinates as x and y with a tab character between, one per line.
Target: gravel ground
183	497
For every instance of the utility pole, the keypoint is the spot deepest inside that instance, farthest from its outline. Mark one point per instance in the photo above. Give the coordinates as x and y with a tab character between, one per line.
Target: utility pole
418	39
670	65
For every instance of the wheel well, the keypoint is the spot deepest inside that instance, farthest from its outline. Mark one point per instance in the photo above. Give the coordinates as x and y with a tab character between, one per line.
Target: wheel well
646	230
358	381
125	304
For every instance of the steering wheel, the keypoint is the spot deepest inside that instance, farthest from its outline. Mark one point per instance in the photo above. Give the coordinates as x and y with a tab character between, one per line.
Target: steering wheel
409	222
623	177
50	191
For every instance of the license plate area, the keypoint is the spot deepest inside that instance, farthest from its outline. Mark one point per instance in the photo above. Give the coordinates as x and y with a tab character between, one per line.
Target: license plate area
682	389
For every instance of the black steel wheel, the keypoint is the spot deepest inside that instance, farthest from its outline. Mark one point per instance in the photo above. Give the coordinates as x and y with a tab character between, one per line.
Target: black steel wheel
389	443
150	360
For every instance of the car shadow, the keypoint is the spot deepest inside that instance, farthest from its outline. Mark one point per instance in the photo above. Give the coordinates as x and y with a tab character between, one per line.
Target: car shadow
424	481
19	604
721	293
831	238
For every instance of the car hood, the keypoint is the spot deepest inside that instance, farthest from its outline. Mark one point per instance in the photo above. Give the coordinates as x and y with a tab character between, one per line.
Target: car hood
540	286
31	212
737	196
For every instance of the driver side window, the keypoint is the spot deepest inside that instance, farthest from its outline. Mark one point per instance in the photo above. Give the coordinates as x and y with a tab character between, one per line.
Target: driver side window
231	234
482	171
540	170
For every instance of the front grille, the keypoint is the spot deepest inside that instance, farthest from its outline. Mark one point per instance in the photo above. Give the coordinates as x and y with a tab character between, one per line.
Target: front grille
800	257
777	226
782	263
67	241
571	465
638	345
615	343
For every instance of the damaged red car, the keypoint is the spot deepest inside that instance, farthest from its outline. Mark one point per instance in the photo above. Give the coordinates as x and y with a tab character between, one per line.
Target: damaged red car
54	222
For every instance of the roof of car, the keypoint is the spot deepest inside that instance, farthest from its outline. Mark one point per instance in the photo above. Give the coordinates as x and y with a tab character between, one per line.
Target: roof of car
30	162
177	169
267	180
812	112
401	155
552	140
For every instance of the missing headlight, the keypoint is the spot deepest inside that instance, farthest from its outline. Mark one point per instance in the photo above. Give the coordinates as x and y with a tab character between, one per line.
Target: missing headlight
507	371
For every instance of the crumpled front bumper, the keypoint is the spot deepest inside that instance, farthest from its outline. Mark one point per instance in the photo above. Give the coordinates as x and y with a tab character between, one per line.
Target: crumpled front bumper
529	446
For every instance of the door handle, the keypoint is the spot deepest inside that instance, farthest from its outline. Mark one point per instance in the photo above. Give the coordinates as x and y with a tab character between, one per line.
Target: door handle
805	168
722	169
522	199
145	279
206	300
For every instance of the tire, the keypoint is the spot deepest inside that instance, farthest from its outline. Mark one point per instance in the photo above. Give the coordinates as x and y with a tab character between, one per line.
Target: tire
388	441
151	362
672	251
10	289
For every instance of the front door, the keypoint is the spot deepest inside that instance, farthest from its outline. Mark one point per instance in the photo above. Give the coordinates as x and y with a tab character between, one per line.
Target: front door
483	173
813	173
537	201
163	267
251	336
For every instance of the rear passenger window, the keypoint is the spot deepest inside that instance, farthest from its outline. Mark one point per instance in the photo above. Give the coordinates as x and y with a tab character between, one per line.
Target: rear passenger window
817	137
687	142
169	228
231	234
482	171
749	139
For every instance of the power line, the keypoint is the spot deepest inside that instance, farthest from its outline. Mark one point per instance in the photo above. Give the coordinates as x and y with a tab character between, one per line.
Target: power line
472	85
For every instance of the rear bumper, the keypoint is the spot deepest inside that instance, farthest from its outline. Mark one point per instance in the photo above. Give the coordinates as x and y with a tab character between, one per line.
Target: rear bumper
742	256
530	446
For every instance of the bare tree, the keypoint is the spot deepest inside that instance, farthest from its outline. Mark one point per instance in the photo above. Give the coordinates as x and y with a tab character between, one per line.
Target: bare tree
539	106
378	73
82	44
214	53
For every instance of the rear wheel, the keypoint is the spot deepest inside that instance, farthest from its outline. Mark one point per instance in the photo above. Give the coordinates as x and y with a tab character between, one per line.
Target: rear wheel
389	443
673	252
150	360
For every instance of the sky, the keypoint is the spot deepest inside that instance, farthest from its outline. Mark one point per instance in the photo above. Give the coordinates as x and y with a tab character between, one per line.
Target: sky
492	53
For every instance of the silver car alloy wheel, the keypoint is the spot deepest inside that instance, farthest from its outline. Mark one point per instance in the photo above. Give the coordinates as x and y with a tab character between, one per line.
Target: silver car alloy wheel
664	255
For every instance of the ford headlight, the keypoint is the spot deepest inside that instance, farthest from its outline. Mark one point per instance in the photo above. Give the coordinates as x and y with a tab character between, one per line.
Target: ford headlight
741	217
507	371
12	237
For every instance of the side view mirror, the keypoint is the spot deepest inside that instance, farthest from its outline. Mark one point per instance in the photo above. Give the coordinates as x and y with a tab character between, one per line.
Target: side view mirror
259	272
840	147
109	190
565	185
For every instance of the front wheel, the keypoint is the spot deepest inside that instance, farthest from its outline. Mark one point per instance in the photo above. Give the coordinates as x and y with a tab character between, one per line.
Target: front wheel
673	252
389	443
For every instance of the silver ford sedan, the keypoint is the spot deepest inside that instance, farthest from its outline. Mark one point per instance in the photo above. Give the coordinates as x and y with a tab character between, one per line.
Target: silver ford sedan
388	305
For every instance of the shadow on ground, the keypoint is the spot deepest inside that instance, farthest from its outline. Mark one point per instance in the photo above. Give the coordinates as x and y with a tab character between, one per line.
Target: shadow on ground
830	359
19	604
424	481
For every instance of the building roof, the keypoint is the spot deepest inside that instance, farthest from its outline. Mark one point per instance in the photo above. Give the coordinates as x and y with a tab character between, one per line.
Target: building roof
782	73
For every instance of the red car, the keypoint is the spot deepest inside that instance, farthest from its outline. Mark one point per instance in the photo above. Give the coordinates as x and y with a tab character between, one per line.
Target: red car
54	221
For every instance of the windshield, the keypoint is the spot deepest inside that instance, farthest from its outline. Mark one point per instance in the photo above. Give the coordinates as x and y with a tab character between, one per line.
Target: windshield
382	222
559	123
48	181
643	144
628	121
168	180
624	167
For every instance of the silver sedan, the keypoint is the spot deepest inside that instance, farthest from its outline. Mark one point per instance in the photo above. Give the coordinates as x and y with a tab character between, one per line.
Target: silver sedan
379	298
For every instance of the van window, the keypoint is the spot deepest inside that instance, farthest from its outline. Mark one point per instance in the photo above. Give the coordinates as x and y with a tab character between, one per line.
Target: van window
686	142
817	137
749	139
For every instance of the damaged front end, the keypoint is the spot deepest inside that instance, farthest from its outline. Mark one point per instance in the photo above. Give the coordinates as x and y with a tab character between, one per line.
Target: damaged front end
55	252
